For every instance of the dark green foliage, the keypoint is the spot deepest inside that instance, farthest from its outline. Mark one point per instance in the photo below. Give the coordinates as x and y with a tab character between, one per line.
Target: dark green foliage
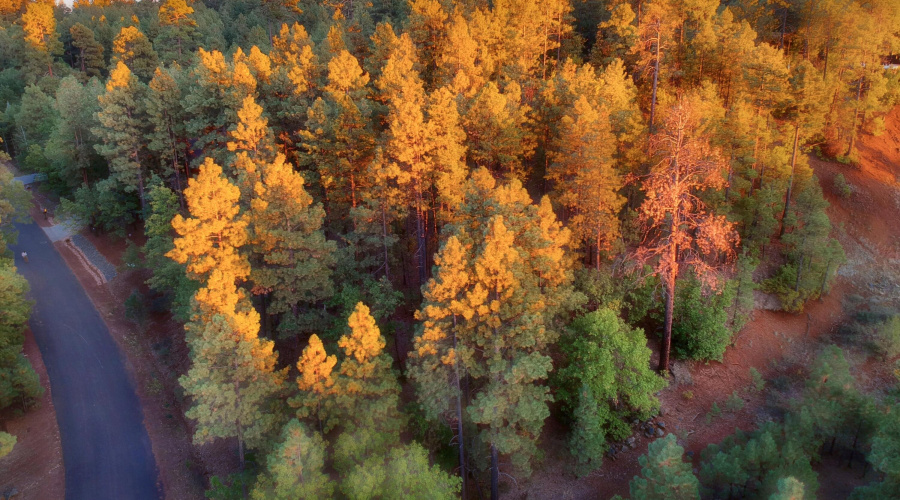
751	464
169	277
812	254
612	360
136	308
664	474
588	439
701	326
18	381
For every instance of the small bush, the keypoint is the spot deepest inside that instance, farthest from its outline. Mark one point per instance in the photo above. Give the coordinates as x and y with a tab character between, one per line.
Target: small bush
701	330
689	395
841	187
734	403
131	258
136	309
887	337
757	380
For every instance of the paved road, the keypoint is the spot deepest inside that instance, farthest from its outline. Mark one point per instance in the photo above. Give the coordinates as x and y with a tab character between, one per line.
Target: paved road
105	446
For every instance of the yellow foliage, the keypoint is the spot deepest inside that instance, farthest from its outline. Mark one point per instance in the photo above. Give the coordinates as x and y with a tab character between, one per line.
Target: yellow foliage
315	367
364	341
214	234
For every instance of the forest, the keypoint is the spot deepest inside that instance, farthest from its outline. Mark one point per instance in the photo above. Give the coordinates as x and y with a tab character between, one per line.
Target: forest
404	235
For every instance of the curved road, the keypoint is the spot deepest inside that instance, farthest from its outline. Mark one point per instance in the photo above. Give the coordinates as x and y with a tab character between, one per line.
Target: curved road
106	450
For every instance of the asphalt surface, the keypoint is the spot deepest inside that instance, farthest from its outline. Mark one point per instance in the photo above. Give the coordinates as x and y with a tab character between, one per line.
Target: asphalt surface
106	450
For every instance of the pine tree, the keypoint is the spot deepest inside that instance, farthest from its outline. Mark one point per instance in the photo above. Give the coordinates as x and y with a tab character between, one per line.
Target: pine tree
498	131
177	32
169	277
585	178
231	380
316	384
367	393
41	37
682	229
587	442
7	443
664	474
294	258
90	52
132	48
167	136
294	469
121	129
514	263
403	473
789	489
70	148
339	140
612	361
212	238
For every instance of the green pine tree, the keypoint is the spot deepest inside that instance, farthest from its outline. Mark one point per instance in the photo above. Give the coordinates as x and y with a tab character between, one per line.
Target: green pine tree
664	474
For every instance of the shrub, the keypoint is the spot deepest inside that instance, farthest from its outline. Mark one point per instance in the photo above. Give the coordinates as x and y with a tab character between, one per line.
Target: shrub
136	309
701	330
841	187
757	380
887	337
734	403
131	258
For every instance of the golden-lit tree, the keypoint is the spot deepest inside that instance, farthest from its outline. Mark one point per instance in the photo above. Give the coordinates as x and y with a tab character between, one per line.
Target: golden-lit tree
40	32
680	232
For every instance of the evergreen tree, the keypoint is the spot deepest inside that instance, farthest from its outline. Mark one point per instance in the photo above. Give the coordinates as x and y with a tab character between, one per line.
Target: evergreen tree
585	179
132	48
210	241
514	263
789	489
231	380
611	360
664	474
167	136
70	149
367	393
682	230
588	440
316	384
294	258
403	473
294	469
169	277
121	127
41	37
90	53
177	30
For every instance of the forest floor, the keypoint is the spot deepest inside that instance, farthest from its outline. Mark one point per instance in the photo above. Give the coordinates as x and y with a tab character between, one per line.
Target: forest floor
779	345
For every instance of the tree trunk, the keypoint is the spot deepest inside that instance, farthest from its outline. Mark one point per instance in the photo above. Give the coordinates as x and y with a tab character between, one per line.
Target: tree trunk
667	333
655	82
459	420
855	117
420	237
495	473
387	270
787	199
